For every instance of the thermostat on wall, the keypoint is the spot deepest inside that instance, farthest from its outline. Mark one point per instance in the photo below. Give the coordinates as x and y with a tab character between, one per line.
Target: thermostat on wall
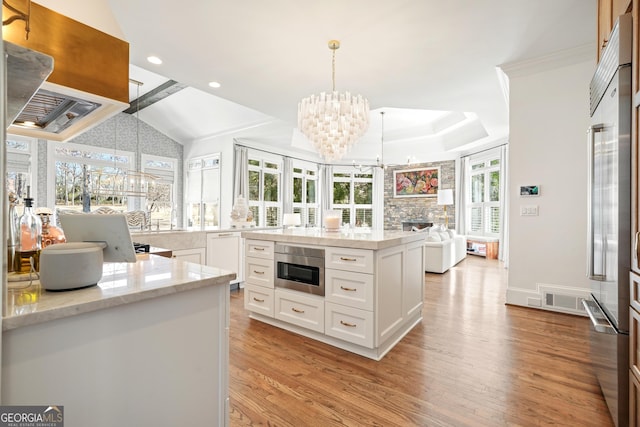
530	190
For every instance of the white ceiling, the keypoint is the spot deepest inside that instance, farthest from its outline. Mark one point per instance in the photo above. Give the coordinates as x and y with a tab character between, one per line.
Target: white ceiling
431	65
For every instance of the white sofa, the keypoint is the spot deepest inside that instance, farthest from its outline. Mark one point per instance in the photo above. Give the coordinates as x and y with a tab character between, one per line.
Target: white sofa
443	249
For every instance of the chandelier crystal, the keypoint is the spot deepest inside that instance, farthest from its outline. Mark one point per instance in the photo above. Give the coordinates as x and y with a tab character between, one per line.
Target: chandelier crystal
333	122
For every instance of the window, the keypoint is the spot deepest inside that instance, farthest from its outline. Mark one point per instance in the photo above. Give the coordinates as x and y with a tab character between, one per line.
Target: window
484	197
203	192
160	201
87	178
353	195
21	155
305	194
90	177
265	193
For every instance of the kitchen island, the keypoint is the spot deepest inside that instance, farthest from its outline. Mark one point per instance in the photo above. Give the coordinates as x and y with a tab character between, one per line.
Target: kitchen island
147	346
373	286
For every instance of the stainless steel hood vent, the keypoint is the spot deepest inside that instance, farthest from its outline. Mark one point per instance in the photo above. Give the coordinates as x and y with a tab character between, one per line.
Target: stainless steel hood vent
60	113
53	112
40	109
26	71
88	85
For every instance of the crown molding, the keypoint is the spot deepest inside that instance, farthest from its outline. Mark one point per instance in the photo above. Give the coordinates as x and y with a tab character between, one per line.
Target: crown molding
561	58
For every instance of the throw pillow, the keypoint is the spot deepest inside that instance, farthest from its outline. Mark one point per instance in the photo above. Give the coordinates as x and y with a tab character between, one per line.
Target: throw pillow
434	237
444	235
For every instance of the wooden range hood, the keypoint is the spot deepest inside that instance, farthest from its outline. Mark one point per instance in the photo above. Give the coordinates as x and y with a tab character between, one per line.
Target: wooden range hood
91	69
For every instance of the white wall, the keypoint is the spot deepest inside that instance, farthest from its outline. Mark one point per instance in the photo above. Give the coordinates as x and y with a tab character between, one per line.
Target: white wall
549	117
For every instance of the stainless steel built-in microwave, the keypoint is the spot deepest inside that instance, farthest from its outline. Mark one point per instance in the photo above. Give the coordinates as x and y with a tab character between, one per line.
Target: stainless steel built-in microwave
299	268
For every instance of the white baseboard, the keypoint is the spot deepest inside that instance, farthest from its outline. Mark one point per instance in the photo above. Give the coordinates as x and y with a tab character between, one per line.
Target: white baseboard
550	297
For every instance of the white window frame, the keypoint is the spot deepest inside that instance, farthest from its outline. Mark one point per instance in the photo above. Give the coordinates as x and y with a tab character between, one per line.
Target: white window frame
487	204
261	204
304	206
352	179
52	158
167	175
25	161
200	163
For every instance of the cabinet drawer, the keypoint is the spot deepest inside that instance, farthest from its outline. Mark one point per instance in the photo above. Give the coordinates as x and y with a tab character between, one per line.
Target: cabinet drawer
349	324
258	299
358	260
259	249
634	288
349	288
259	271
299	309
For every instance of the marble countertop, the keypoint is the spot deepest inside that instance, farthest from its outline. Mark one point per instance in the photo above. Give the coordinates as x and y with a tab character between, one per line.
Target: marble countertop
345	238
122	283
178	231
181	239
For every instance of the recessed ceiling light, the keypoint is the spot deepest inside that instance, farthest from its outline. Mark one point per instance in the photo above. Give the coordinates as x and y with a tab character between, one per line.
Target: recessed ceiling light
154	60
214	84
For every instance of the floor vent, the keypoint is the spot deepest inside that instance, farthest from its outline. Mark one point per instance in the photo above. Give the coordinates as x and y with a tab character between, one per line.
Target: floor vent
567	302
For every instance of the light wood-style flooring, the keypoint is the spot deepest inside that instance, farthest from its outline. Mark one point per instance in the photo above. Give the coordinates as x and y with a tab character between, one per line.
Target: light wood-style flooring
473	361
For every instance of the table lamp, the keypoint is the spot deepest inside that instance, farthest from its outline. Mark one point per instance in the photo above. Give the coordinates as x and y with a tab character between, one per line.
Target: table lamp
291	220
445	197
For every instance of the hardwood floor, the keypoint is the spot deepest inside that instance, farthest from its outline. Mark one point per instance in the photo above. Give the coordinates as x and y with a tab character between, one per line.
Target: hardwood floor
473	361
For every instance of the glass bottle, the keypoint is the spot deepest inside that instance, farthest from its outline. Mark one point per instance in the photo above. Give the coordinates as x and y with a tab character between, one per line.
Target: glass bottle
30	238
13	241
50	233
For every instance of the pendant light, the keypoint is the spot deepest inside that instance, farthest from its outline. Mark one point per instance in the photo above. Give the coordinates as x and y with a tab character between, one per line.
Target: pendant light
135	182
334	121
138	181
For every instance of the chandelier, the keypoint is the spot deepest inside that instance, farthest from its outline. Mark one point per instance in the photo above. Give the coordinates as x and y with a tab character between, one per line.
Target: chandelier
333	122
131	182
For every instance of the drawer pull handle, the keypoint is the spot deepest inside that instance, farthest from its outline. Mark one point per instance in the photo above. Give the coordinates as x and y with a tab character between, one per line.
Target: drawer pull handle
296	310
258	249
258	272
348	289
258	299
224	234
350	325
347	259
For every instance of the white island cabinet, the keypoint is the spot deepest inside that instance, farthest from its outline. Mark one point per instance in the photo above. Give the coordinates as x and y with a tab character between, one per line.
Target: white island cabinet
373	287
147	346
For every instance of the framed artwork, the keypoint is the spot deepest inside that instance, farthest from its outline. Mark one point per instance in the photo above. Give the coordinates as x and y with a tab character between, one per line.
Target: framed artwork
422	182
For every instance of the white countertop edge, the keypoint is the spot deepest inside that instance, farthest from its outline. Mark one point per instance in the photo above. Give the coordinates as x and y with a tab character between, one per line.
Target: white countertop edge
375	240
73	309
145	233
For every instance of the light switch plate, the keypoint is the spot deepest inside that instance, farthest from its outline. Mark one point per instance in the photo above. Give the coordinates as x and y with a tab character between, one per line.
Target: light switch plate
529	210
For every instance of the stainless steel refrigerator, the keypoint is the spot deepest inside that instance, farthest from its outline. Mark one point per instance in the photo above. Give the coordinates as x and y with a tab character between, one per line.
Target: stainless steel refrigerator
609	224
